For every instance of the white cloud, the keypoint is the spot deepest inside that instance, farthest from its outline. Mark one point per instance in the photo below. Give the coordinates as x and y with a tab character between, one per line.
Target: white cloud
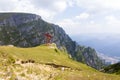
113	4
60	5
83	16
77	27
7	5
112	20
26	6
70	26
71	3
99	4
92	22
86	16
54	5
46	8
96	16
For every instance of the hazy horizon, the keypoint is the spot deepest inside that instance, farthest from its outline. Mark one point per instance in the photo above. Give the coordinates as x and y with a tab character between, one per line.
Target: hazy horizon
105	44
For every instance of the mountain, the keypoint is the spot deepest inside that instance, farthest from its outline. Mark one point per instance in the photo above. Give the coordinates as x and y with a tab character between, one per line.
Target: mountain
114	68
108	60
27	30
107	44
44	63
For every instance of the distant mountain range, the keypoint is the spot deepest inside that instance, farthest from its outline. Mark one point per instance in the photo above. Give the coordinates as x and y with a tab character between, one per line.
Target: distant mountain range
107	44
109	60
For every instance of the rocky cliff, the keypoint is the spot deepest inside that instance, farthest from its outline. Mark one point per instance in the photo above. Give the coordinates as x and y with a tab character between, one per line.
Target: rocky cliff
27	30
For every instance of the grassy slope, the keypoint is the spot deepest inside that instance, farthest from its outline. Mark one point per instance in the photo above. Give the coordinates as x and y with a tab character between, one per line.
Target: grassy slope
50	54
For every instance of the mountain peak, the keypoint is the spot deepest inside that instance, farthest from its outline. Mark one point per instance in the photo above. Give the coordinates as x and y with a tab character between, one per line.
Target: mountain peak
27	30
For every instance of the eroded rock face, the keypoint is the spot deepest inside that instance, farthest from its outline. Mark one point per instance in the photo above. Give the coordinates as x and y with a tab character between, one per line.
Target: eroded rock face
27	30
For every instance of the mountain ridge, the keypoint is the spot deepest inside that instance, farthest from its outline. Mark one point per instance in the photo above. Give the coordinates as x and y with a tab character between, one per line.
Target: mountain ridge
112	69
27	30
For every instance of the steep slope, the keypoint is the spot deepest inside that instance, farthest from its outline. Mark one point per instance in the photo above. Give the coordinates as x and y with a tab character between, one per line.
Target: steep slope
44	63
114	68
88	56
27	30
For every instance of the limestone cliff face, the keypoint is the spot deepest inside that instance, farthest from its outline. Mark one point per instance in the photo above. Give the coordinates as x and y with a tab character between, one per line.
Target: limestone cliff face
27	30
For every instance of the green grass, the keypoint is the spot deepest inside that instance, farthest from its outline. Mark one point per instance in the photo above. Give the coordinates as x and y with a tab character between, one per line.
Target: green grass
45	54
42	54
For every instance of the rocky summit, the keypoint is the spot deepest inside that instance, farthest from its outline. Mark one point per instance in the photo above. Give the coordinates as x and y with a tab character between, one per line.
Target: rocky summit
27	30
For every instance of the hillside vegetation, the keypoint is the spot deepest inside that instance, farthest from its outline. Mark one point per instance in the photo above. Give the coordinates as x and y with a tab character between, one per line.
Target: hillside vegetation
114	68
44	63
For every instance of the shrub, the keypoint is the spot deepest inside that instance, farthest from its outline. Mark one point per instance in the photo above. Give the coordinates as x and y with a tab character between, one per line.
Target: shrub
10	60
56	50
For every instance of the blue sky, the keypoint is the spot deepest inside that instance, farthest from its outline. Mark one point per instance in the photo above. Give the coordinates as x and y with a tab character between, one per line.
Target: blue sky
76	17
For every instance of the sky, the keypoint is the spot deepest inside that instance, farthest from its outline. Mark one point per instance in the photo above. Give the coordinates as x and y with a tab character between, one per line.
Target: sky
76	17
